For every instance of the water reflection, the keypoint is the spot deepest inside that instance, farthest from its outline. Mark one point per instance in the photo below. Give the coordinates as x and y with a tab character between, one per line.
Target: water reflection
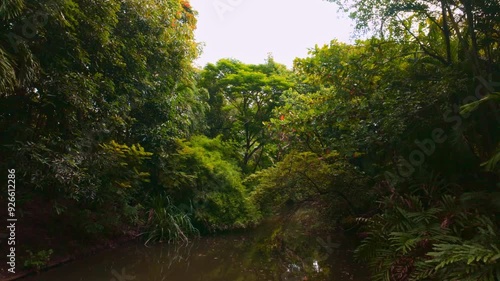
245	257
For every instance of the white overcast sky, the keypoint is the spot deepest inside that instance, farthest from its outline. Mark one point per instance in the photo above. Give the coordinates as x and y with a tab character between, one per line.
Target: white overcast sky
248	30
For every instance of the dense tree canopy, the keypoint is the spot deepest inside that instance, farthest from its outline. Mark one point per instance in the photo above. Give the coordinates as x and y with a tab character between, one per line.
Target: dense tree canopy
83	83
111	129
242	98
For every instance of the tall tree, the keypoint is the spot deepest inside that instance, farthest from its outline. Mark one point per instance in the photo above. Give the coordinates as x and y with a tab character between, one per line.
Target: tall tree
463	28
77	75
242	99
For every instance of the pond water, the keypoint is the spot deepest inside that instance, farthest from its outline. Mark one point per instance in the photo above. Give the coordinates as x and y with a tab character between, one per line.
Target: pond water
248	256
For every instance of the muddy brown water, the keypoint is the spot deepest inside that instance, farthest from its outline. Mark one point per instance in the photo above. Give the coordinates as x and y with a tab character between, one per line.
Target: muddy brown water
229	257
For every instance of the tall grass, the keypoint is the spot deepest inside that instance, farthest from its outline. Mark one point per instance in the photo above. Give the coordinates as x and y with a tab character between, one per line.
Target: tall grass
168	223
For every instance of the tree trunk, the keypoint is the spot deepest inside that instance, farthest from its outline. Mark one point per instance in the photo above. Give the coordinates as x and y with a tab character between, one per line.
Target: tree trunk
446	31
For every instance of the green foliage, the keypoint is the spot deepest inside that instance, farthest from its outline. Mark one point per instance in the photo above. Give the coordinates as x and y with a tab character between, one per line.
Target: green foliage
208	184
306	176
375	103
412	240
370	98
448	33
167	223
95	77
38	260
242	98
466	261
130	159
79	80
492	163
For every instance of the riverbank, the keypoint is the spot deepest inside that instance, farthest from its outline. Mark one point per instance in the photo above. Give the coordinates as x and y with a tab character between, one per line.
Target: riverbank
40	230
62	259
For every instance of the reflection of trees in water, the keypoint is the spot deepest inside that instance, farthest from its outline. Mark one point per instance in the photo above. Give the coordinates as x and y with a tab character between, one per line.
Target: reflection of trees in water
270	252
244	261
305	262
156	261
300	254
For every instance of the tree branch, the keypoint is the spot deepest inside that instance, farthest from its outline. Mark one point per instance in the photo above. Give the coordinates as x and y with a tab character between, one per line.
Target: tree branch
424	48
